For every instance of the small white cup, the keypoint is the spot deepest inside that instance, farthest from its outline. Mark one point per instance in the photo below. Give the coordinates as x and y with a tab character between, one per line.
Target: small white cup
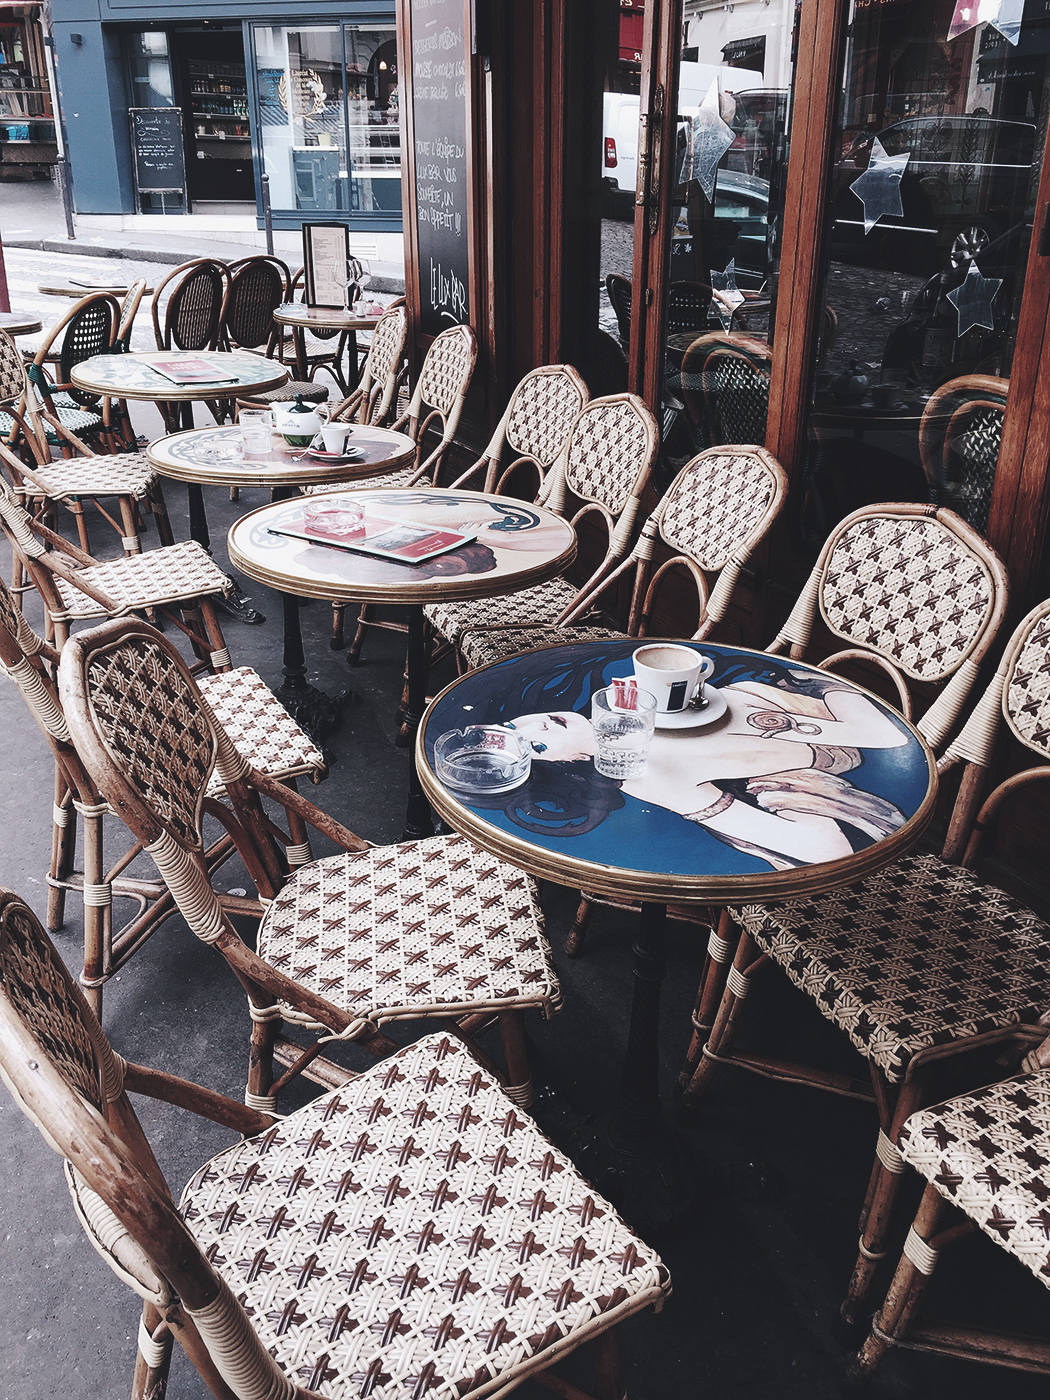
334	436
674	674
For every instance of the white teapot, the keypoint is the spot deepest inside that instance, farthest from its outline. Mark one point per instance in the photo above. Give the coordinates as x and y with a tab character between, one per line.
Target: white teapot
297	423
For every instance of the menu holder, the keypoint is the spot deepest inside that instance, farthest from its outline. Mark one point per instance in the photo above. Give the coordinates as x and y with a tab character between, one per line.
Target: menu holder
399	540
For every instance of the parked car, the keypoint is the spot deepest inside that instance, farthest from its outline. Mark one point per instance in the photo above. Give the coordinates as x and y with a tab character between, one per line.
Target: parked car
966	182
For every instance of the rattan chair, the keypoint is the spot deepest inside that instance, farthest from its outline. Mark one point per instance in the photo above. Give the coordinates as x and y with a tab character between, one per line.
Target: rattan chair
192	318
74	586
985	1155
959	437
258	286
85	475
261	730
332	357
129	309
375	398
410	1232
598	480
619	291
433	928
917	592
725	387
88	328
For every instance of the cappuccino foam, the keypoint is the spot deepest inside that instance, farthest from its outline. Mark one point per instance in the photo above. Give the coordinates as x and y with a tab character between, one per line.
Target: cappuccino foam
667	658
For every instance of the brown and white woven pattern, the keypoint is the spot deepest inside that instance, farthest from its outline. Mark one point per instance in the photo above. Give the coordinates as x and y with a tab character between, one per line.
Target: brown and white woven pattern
403	476
545	404
388	341
1026	696
910	590
543	602
398	929
289	390
155	728
413	1234
171	574
12	369
446	369
989	1154
479	648
260	727
740	390
609	445
124	474
713	509
919	955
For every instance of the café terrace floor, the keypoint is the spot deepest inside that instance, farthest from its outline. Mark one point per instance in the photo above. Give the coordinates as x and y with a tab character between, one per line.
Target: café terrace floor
758	1265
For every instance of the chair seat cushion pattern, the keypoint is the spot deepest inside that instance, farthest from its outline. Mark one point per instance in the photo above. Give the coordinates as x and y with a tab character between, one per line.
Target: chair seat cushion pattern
397	930
304	388
126	474
412	1234
260	727
540	603
77	420
919	955
147	580
989	1154
479	648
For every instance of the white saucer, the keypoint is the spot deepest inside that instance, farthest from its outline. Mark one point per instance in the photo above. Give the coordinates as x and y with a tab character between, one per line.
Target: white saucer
689	718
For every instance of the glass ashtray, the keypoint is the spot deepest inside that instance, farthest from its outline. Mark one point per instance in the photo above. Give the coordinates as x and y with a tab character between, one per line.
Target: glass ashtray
482	758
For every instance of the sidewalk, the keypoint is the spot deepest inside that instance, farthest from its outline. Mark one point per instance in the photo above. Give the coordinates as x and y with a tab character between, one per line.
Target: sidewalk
31	217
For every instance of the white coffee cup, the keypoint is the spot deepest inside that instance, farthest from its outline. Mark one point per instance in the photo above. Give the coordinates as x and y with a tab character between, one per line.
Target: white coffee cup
674	674
335	435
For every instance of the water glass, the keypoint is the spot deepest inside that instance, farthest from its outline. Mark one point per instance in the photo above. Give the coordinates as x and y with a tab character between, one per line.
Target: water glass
623	718
256	425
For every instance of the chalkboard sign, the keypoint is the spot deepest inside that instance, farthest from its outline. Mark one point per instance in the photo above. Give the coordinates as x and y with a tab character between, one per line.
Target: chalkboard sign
157	151
439	120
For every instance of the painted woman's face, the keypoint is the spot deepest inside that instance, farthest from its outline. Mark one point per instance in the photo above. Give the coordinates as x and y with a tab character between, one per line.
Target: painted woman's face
561	737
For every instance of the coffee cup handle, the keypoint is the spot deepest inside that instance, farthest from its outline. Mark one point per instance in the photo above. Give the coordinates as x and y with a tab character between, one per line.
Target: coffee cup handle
707	669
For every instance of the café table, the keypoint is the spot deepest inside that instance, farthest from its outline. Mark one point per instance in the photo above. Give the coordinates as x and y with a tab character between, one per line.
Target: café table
196	457
70	287
515	545
300	318
131	377
19	323
634	842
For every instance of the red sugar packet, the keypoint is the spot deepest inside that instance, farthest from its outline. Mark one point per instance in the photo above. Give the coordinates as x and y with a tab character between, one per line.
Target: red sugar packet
625	693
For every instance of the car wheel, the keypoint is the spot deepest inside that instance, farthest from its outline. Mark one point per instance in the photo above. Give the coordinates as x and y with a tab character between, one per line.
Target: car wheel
969	243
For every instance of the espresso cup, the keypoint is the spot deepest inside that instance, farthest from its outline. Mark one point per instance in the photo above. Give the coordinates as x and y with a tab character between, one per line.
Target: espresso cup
674	674
334	436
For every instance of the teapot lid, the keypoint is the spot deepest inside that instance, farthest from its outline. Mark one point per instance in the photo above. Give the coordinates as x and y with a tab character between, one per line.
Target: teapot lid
299	406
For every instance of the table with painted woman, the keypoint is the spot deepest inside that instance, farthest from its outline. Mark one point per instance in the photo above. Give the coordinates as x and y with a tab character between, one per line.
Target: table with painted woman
799	783
509	546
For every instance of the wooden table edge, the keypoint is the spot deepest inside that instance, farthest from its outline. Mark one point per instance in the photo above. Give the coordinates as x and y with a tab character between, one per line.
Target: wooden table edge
614	882
318	474
177	393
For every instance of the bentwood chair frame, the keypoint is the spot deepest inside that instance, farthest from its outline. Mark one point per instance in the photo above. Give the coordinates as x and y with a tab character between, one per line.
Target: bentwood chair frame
598	480
506	1322
192	319
88	328
258	286
129	309
73	585
373	400
985	1155
80	474
960	415
718	362
917	593
127	694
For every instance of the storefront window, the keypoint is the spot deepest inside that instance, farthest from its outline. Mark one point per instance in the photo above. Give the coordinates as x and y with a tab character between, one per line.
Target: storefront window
328	113
27	128
938	147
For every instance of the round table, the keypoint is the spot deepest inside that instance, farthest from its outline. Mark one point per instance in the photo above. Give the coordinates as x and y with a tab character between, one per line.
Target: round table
633	841
131	377
301	318
516	545
69	287
19	323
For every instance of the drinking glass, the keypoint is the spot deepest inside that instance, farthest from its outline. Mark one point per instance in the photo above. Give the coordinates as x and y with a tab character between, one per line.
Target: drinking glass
623	718
255	425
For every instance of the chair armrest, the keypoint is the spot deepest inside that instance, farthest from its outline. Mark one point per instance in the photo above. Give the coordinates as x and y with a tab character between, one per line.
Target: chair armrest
206	1103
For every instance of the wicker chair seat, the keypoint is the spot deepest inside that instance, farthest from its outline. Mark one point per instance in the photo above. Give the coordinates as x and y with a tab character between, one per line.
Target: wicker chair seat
479	648
118	474
920	955
540	603
159	576
261	728
417	928
77	420
401	477
413	1233
989	1154
303	388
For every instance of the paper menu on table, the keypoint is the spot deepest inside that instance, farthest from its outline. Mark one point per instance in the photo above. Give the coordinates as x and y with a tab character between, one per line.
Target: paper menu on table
402	540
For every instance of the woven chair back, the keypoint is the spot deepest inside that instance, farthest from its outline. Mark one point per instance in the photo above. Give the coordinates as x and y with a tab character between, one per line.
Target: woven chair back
959	438
915	587
12	370
447	368
720	503
383	365
725	386
542	411
195	307
687	306
88	328
610	452
619	290
258	286
129	309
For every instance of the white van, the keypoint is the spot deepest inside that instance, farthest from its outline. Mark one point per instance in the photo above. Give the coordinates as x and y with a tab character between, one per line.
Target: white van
620	125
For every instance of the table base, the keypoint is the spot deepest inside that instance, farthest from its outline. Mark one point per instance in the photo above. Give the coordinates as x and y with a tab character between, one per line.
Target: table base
419	820
314	710
236	604
652	1183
